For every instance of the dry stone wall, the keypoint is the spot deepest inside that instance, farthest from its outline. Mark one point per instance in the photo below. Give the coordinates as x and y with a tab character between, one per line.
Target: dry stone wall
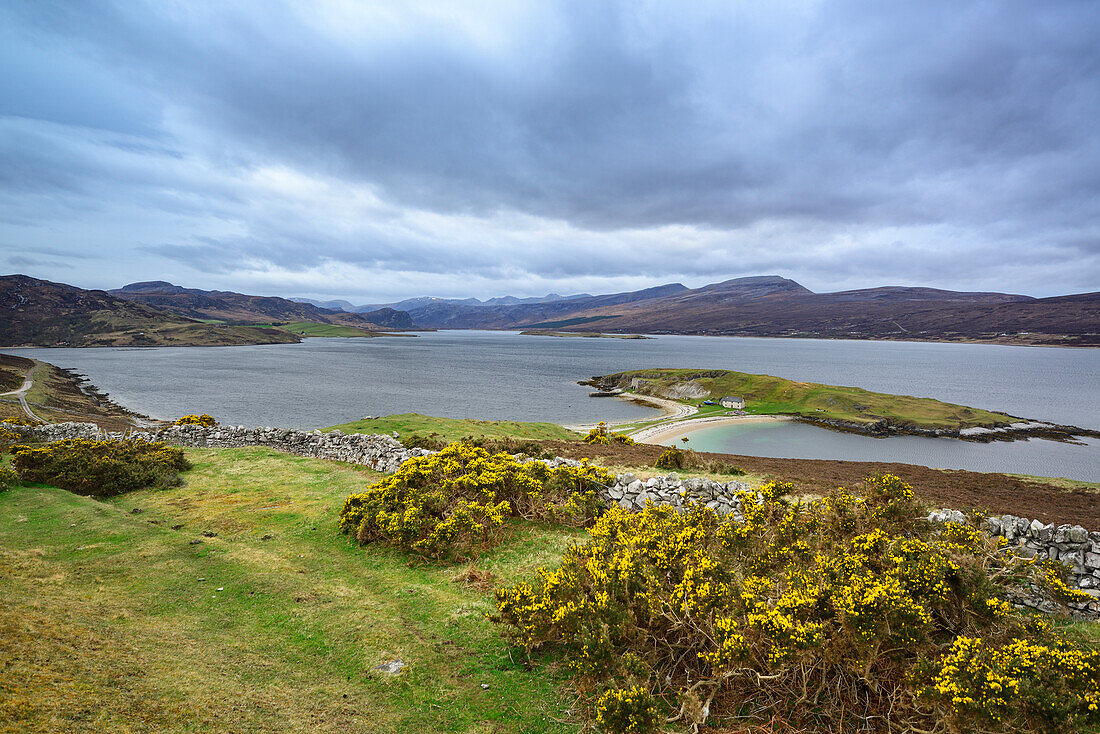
383	453
1078	548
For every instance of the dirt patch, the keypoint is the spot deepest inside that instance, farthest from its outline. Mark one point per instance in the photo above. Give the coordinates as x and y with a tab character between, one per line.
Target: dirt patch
963	490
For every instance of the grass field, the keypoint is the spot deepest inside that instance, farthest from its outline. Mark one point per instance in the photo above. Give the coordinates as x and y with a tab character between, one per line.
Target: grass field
112	617
308	328
767	395
452	429
113	621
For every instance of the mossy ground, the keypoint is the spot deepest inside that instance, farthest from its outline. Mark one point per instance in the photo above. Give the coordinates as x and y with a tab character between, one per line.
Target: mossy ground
453	429
113	621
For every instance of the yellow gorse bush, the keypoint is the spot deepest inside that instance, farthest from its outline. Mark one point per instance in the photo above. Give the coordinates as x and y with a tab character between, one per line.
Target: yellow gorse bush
8	436
456	501
196	420
813	612
8	478
627	711
101	468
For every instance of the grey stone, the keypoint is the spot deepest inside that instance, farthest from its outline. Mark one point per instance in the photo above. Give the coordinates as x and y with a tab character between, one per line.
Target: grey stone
392	668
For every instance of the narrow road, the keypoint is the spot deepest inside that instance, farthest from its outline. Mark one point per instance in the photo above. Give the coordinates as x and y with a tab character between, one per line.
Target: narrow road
21	393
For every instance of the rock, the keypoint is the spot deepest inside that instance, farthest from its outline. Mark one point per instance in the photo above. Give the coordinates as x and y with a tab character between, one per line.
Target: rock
392	668
209	534
196	541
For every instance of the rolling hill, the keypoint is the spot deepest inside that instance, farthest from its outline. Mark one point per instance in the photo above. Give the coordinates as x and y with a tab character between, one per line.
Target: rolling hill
239	308
46	314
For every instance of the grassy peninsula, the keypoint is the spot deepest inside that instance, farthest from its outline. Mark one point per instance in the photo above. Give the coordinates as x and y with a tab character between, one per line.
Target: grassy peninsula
768	395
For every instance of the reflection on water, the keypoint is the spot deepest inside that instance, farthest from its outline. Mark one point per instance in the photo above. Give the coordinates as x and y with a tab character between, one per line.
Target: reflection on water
803	441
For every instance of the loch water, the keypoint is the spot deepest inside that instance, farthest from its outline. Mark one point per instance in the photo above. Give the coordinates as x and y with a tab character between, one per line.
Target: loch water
495	375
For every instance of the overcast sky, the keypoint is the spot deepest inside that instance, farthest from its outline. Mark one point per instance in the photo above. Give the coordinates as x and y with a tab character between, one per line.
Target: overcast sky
375	151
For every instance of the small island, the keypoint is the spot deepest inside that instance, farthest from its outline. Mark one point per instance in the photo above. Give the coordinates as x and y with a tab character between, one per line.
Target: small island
585	334
720	395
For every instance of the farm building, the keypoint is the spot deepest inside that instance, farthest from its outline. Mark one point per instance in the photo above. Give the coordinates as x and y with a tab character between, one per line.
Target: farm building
732	401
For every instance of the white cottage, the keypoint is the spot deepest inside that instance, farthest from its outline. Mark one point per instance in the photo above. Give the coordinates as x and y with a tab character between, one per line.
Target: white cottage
733	401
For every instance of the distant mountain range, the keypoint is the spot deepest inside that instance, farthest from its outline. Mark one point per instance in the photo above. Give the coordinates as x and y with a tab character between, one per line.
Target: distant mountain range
427	301
776	306
238	308
39	312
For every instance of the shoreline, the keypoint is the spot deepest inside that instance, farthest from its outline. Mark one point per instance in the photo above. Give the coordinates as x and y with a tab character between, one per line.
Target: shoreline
666	431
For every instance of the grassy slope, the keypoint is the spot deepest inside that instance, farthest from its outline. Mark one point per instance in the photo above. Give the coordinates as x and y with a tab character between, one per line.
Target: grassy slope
57	397
307	328
105	328
767	395
453	429
105	624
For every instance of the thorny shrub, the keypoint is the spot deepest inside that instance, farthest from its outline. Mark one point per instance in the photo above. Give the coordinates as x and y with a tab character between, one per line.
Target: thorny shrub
673	458
454	503
101	468
685	459
848	611
432	441
8	478
598	435
602	436
205	420
627	710
8	436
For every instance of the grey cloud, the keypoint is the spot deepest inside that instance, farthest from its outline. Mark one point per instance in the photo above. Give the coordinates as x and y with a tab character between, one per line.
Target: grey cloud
774	130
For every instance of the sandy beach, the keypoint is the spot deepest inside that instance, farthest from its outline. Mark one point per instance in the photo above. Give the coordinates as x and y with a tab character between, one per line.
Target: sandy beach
671	431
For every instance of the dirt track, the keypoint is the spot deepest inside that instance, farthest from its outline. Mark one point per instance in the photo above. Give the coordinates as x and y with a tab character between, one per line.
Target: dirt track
963	490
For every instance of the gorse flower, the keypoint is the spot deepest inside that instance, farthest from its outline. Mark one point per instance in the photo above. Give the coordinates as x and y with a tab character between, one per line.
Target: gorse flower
456	501
855	596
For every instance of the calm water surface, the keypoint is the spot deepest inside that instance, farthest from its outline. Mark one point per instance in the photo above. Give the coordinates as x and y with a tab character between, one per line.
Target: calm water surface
488	375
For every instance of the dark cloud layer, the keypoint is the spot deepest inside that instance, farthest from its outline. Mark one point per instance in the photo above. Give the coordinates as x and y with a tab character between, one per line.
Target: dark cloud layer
377	150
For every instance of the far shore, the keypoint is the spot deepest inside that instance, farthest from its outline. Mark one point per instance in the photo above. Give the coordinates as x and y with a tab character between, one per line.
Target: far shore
670	431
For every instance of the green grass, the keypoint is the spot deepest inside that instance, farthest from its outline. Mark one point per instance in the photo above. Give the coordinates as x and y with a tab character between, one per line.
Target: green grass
767	395
453	429
307	328
112	621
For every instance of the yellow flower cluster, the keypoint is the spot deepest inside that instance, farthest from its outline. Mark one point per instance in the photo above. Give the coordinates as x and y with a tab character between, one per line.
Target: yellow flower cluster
1019	684
459	498
598	435
196	420
8	437
851	585
627	711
